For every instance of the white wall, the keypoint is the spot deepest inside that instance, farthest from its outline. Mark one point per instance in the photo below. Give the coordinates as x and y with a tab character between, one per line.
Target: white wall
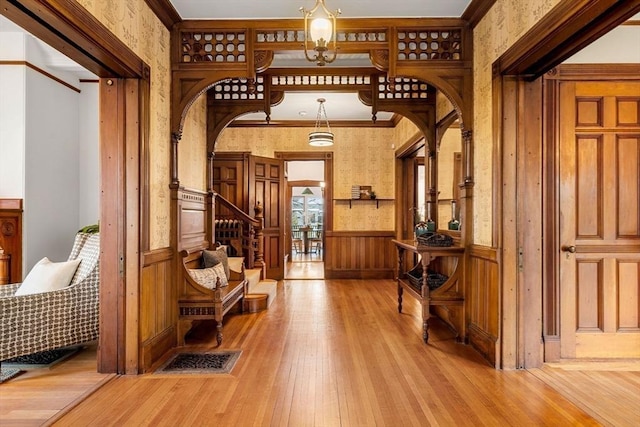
312	170
12	117
48	148
619	46
89	155
52	169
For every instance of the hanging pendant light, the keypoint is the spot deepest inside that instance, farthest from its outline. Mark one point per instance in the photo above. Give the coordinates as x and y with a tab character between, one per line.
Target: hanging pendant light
320	138
321	31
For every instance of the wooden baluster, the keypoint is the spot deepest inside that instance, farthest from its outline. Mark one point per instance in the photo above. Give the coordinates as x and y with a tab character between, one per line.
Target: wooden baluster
259	255
398	276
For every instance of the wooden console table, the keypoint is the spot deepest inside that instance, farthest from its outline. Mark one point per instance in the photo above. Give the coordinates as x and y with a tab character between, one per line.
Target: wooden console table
449	296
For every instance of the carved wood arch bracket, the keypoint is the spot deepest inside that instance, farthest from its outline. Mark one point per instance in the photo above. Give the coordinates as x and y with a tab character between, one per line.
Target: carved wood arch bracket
426	53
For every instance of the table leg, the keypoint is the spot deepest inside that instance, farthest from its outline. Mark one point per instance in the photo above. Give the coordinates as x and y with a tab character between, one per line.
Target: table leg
425	329
400	291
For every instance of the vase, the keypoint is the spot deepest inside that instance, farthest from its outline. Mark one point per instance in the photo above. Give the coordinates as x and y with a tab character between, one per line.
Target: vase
421	229
454	224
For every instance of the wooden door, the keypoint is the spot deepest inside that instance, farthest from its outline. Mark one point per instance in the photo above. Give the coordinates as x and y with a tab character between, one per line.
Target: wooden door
230	182
267	186
599	194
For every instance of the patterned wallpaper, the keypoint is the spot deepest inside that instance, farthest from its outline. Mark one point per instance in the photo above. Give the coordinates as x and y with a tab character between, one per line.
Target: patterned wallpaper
403	131
505	23
192	162
139	28
443	106
362	156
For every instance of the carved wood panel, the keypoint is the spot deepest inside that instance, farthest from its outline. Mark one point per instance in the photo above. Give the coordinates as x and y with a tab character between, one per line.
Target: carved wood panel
359	255
157	307
230	182
266	178
483	302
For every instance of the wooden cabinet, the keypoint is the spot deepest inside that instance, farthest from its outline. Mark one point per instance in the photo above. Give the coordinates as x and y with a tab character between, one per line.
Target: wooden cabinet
447	300
5	263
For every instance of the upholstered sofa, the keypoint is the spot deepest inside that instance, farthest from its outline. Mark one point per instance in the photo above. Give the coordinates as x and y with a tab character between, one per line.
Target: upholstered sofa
54	319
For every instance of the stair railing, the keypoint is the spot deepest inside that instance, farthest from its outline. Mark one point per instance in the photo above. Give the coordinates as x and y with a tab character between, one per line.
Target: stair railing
238	228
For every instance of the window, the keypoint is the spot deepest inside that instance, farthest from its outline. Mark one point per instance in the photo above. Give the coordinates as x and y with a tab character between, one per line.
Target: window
307	210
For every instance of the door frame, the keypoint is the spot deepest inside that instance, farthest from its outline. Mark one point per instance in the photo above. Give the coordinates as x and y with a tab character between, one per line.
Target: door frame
302	183
520	139
124	123
327	157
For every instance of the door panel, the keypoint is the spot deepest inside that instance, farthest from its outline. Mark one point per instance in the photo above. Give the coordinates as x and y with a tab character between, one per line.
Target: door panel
599	191
266	178
228	181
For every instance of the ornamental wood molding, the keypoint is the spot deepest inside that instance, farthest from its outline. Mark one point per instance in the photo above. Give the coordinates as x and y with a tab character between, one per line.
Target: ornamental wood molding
409	97
570	26
78	35
436	52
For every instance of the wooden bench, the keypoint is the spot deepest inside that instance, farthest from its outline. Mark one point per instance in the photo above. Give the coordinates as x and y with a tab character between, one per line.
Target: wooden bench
196	302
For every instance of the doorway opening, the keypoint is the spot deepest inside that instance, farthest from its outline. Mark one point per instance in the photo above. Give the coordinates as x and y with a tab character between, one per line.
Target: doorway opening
305	219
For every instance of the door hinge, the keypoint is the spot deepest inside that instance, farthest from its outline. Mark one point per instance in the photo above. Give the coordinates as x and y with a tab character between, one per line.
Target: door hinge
121	265
520	259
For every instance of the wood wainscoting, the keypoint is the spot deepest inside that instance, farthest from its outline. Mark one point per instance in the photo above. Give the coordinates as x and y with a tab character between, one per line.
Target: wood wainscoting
158	286
360	255
483	302
158	302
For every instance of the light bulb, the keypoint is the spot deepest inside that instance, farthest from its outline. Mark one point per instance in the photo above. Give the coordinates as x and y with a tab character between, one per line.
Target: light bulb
321	28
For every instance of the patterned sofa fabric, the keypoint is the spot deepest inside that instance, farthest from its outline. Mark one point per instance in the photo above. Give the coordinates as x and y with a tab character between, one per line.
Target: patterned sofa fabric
50	320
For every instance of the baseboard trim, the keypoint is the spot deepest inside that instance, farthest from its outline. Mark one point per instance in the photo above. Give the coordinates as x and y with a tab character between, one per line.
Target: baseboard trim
152	350
359	274
483	342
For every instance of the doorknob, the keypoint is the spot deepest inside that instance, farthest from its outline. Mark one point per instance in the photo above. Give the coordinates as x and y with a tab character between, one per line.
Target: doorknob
571	249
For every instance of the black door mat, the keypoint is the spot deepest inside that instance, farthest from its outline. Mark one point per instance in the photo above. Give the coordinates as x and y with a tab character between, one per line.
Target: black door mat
215	362
42	359
7	373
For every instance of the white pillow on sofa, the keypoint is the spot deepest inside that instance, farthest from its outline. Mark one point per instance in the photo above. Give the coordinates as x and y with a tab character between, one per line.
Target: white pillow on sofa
208	277
48	276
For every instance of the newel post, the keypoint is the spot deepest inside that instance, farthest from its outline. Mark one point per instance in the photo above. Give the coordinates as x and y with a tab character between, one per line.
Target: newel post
259	254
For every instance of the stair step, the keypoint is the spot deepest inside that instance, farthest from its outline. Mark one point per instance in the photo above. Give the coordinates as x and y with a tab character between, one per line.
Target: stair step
253	276
253	303
267	287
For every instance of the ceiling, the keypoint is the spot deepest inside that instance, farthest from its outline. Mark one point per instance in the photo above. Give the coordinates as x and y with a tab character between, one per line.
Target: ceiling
281	9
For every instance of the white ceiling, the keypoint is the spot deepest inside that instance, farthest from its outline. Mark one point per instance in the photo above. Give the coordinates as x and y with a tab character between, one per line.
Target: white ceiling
274	9
304	106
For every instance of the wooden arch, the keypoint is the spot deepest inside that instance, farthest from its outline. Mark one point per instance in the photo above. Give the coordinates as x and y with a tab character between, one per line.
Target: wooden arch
437	51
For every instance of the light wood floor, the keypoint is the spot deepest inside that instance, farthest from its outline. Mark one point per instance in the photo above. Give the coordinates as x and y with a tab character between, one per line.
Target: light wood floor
337	353
38	395
305	266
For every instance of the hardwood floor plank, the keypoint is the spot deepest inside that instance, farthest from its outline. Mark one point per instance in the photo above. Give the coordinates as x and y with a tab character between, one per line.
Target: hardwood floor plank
336	353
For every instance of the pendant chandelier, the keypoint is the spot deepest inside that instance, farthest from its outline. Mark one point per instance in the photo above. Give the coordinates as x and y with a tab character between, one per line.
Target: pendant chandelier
321	30
320	138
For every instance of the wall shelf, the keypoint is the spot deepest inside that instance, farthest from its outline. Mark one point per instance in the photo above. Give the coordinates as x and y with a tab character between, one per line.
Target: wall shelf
377	200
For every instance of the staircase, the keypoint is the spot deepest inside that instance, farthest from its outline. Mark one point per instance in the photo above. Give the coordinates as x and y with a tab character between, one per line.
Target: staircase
243	235
261	292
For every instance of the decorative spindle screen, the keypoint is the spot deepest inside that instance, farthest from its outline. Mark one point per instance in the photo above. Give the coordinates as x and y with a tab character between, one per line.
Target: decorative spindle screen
239	90
422	45
223	46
